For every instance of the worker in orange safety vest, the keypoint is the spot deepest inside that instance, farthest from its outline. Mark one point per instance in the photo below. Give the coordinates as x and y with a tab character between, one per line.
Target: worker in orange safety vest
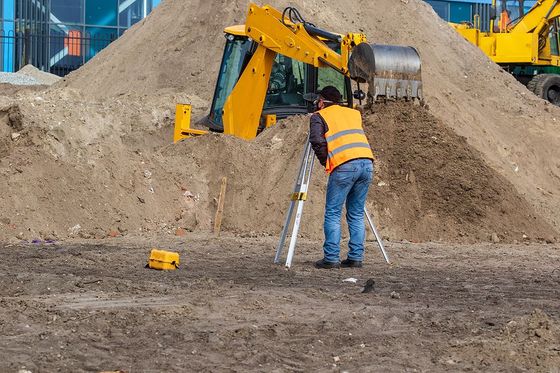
339	142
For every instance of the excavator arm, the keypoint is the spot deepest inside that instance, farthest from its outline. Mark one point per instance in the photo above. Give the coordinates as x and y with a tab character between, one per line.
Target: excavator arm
538	18
275	34
300	41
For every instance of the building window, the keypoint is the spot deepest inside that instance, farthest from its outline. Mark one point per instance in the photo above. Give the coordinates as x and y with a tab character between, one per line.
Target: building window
130	12
64	11
61	35
460	12
101	12
441	8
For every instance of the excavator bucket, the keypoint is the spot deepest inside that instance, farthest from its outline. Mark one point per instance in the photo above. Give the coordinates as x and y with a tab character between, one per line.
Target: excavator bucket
392	72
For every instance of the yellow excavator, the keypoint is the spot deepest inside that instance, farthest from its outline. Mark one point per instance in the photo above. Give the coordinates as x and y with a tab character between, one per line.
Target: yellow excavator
276	60
527	46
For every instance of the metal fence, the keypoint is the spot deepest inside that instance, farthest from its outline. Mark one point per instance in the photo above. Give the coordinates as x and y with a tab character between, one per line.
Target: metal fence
483	11
56	52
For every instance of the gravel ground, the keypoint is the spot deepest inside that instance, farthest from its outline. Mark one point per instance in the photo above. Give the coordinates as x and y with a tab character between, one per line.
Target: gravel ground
18	79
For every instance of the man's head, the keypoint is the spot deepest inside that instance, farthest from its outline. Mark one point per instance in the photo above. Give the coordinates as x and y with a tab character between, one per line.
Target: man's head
325	97
330	94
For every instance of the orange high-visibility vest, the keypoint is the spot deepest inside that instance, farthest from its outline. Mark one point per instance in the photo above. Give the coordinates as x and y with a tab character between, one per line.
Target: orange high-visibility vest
346	139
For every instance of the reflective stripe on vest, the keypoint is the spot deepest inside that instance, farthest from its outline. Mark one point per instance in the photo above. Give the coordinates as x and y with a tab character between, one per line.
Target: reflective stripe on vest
343	133
346	139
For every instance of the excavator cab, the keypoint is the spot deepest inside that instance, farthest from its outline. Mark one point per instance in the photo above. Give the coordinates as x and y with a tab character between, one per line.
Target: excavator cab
290	80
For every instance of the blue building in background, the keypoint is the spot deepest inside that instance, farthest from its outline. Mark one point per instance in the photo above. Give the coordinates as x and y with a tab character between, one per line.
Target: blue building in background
458	11
59	36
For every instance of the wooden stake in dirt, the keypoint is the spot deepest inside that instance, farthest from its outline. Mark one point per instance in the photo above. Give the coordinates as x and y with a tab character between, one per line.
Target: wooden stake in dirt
220	211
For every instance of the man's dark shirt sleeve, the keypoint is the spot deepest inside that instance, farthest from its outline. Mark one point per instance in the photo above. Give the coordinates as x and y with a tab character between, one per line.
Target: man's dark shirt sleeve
317	129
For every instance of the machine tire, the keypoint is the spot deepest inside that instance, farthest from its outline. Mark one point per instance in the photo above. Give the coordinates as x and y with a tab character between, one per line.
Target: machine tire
547	87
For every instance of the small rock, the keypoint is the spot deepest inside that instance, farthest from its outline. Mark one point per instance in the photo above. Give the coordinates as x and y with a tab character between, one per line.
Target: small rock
495	238
20	236
114	234
336	359
369	286
74	230
538	333
147	174
381	183
395	295
180	232
15	135
412	177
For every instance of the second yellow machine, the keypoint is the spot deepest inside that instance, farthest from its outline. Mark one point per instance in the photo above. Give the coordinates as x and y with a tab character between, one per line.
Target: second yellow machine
528	46
277	58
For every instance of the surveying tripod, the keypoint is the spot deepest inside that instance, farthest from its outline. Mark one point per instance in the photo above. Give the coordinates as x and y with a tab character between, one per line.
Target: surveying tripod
298	198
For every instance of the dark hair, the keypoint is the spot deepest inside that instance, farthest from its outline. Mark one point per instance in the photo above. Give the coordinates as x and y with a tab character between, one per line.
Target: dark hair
330	93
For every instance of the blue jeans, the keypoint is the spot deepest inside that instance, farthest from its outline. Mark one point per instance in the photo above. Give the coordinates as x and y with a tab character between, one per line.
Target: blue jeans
348	183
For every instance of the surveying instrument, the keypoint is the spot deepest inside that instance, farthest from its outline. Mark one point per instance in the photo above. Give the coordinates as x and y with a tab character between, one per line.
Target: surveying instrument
298	198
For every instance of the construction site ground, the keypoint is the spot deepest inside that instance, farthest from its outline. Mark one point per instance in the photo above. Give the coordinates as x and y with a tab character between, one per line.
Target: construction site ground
92	306
466	194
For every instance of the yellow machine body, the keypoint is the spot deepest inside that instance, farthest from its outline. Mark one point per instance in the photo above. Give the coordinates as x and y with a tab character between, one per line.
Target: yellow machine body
163	260
270	120
244	105
183	128
527	41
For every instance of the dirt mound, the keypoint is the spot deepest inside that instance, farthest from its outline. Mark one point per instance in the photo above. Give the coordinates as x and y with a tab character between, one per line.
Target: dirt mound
72	167
88	170
89	156
433	184
516	133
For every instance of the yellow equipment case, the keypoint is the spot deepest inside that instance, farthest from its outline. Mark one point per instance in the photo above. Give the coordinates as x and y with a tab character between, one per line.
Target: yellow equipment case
163	260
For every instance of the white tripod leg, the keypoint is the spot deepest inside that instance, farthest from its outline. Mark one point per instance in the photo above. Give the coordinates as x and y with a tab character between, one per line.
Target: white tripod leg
298	196
299	212
377	236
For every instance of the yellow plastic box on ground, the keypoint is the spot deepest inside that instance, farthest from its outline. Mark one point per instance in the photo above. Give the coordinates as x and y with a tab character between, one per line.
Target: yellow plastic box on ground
163	260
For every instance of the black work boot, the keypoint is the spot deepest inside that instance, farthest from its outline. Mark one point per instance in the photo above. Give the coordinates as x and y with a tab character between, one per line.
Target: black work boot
322	264
349	263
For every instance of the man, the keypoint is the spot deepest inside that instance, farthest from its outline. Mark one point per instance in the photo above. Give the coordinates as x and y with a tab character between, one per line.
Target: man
339	142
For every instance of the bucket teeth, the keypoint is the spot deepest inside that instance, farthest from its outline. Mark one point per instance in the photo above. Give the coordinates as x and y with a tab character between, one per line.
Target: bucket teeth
392	72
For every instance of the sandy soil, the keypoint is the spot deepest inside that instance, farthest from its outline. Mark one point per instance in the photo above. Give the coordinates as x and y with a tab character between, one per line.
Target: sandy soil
517	133
91	306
